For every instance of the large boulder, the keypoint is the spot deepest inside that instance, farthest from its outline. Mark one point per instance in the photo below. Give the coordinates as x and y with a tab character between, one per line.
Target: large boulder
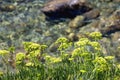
65	8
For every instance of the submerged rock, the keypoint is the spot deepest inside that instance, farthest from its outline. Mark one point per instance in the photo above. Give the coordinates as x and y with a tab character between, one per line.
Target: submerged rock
111	29
7	8
65	8
92	14
77	22
72	37
112	23
18	1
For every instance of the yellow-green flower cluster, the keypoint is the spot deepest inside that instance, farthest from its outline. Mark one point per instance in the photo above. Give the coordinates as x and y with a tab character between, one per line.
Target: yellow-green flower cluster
64	46
4	52
57	60
29	46
109	57
83	71
1	73
50	59
33	49
95	45
84	54
29	64
63	43
119	48
20	57
34	53
118	65
77	52
82	42
96	35
100	64
70	59
64	56
86	42
43	47
61	40
100	60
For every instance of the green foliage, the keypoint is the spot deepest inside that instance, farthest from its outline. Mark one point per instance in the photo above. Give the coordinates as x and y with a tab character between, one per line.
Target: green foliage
11	49
84	62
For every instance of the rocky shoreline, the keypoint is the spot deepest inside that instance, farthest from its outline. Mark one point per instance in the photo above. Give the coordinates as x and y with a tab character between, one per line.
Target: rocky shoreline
22	20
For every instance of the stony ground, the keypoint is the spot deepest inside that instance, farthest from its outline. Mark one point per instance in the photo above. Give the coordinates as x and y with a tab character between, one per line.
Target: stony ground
22	20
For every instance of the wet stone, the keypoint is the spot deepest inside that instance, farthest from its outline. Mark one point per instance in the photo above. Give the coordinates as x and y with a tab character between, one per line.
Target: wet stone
7	8
72	37
110	29
65	8
115	36
77	22
92	14
53	47
18	1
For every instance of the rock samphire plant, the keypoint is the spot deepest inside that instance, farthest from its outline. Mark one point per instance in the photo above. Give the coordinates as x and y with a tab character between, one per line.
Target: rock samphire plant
81	60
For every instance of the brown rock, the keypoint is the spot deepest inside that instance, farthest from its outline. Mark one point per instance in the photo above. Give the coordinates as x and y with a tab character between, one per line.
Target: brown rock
116	0
112	23
65	8
111	29
77	22
92	14
117	14
81	35
115	36
68	30
72	37
95	24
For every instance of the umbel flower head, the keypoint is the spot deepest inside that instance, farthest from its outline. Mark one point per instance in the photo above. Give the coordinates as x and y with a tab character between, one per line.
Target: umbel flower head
101	64
1	73
100	60
96	35
29	64
4	52
82	42
109	57
83	71
51	59
64	43
61	40
33	49
30	46
95	45
118	66
77	52
20	57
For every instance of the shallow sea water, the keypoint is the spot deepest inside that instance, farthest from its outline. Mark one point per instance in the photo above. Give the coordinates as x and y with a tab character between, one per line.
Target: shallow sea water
27	23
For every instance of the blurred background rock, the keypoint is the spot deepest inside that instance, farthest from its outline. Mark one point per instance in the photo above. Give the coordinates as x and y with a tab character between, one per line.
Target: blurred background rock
22	20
